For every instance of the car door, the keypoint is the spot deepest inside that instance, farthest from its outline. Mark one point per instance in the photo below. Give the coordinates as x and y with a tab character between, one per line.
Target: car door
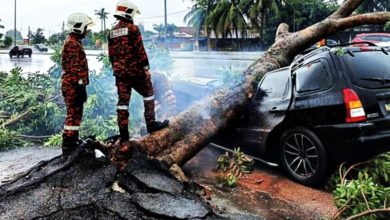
267	110
316	98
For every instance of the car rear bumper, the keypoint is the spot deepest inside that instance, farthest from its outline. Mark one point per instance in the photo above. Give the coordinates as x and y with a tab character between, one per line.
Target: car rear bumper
351	142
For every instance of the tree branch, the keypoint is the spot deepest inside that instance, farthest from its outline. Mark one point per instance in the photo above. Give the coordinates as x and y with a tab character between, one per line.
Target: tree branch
34	137
365	199
296	42
368	212
361	19
346	9
26	113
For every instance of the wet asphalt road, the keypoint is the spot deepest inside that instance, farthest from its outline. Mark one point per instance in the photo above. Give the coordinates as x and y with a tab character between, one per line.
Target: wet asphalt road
199	64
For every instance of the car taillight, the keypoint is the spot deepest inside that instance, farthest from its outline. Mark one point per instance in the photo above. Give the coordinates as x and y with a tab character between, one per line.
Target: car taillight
354	107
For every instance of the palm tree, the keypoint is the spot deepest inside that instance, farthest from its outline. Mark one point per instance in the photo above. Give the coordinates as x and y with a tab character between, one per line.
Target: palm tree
227	17
171	29
102	15
159	28
197	17
1	27
257	12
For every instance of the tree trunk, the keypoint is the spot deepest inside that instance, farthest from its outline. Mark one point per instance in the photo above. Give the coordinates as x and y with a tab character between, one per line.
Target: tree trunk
84	187
190	131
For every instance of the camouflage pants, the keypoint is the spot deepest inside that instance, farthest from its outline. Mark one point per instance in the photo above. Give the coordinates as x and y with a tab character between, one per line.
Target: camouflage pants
74	96
143	86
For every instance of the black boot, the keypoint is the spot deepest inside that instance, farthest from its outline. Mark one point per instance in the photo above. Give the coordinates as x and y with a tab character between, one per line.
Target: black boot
124	135
157	125
68	145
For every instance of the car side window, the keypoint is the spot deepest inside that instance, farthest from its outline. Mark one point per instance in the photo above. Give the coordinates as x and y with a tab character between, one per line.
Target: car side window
313	77
385	38
372	37
274	85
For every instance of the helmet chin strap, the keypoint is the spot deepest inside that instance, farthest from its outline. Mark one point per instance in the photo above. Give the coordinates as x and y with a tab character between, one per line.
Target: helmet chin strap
78	36
124	19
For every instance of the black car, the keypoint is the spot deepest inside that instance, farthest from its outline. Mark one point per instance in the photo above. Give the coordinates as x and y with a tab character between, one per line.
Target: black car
20	51
330	105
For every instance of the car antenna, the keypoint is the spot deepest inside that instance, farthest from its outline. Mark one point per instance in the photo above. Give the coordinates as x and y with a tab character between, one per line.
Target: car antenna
384	51
350	52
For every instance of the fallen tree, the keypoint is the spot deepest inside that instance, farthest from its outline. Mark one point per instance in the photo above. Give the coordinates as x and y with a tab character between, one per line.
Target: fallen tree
190	131
85	187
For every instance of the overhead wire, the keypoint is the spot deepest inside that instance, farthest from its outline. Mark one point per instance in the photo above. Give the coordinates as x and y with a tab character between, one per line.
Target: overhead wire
161	16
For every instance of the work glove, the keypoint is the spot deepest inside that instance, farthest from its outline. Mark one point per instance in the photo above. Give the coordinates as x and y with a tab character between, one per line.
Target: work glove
81	92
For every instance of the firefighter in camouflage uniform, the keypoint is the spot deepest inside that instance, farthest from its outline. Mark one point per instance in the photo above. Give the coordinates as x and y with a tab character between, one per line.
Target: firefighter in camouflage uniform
131	69
74	79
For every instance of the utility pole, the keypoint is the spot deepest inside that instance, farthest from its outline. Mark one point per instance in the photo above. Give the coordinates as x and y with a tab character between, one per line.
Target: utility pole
63	32
29	35
165	21
15	26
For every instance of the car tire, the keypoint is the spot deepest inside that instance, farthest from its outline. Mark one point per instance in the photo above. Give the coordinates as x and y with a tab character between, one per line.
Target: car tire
29	55
303	156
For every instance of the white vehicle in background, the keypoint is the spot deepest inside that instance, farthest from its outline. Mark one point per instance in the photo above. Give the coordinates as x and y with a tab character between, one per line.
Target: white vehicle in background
383	44
41	47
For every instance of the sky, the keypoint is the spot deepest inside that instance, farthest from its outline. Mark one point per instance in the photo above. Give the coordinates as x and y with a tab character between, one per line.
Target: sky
49	14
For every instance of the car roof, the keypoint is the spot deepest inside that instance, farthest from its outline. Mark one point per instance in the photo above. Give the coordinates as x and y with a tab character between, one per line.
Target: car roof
334	50
280	70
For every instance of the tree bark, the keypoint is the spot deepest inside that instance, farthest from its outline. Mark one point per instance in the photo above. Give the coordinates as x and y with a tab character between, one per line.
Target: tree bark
190	131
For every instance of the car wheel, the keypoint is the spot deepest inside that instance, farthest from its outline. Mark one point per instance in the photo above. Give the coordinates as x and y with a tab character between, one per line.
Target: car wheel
303	156
29	55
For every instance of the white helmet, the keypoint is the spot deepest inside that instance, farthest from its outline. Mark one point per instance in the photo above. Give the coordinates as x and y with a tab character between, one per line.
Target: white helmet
77	22
126	9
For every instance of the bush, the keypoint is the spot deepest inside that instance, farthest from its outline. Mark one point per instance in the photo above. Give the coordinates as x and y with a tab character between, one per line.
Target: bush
7	41
9	140
387	26
36	102
363	187
233	167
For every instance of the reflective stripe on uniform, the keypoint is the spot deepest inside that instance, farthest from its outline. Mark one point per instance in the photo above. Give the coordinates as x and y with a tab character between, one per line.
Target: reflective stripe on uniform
71	128
119	32
123	107
150	98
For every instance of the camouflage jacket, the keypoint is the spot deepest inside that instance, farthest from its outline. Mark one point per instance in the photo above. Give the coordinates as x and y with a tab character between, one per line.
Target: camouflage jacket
126	49
74	61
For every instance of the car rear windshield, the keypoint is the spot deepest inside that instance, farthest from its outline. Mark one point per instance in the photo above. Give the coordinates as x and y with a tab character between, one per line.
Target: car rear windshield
370	69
